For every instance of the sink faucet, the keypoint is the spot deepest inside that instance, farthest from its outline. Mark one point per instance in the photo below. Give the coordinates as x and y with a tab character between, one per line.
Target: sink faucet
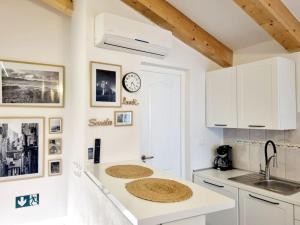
269	159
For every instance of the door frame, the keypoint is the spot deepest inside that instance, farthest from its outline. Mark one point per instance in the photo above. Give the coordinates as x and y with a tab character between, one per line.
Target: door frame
183	73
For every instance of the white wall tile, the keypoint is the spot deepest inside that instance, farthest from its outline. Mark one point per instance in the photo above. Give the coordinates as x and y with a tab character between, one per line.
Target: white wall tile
255	157
279	170
229	136
242	134
293	164
258	135
293	136
275	135
240	156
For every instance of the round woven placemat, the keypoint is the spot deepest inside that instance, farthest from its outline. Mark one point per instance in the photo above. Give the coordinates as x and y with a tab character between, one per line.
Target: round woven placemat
159	190
129	171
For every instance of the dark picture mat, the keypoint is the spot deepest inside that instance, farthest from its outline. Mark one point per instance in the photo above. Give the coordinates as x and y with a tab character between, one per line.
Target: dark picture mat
31	84
55	167
55	146
19	149
105	86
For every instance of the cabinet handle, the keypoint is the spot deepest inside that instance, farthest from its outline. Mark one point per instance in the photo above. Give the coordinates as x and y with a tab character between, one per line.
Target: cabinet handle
264	200
256	126
219	186
220	125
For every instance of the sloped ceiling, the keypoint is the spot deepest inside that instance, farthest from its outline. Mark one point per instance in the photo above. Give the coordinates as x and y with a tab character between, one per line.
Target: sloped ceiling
227	22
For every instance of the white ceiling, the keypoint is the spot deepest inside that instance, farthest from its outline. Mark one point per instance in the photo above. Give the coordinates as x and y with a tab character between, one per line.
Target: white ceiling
227	21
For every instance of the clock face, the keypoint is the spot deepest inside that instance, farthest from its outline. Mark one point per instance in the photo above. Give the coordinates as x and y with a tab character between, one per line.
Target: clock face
131	82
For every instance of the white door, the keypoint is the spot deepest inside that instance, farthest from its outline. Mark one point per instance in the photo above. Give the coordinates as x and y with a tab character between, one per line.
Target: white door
256	86
260	210
221	102
161	120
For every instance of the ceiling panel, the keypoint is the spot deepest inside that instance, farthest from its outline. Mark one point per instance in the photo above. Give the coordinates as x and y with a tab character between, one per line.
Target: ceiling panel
224	20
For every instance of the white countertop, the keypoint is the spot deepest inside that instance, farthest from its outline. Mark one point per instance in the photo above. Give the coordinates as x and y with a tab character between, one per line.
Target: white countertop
142	212
222	176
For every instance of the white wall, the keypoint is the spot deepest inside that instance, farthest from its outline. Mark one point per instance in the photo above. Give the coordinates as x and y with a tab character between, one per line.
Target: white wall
124	143
32	32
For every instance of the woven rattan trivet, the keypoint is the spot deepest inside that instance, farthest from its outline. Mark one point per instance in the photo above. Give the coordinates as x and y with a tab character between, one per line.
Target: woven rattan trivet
159	190
129	171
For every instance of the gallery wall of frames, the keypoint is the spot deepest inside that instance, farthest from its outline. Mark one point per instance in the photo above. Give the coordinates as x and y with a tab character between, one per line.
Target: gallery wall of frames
23	138
113	96
32	84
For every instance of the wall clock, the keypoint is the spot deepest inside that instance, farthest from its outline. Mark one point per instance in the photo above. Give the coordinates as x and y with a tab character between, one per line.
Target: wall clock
131	82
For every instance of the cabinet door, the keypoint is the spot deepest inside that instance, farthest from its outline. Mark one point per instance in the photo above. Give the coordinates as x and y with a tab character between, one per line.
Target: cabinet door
260	210
221	110
257	102
225	217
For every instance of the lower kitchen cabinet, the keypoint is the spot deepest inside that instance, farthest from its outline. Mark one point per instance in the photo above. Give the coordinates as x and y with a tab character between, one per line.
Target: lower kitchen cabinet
256	209
297	222
226	217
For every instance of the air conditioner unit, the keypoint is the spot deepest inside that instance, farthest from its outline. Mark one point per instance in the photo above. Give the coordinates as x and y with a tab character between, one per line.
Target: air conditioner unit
122	34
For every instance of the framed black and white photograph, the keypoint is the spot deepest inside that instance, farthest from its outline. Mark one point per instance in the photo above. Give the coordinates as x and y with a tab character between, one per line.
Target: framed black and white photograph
123	118
105	85
55	167
21	148
55	125
31	84
54	146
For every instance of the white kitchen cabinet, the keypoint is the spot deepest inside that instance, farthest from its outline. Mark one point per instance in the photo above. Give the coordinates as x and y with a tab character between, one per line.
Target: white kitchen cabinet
258	95
221	109
226	217
297	212
297	222
266	94
256	209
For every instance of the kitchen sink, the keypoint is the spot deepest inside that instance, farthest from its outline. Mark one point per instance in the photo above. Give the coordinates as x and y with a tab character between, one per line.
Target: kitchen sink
279	186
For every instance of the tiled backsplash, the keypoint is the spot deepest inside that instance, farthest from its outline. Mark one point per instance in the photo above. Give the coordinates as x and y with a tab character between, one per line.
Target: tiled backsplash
249	156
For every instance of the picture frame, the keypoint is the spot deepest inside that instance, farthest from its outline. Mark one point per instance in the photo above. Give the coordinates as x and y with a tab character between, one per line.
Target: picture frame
31	84
21	148
123	118
54	167
105	84
55	125
54	146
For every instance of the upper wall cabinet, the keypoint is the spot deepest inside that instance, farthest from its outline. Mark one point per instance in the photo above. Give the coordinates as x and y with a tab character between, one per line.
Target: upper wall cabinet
266	94
265	97
221	99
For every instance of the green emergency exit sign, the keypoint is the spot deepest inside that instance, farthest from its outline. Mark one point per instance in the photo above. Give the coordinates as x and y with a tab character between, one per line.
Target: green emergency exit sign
27	200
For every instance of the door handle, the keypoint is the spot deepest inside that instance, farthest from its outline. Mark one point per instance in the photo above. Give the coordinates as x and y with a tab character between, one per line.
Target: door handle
220	125
264	200
143	157
258	126
219	186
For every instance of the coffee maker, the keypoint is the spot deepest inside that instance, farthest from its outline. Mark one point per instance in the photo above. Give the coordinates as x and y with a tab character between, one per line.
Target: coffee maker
223	160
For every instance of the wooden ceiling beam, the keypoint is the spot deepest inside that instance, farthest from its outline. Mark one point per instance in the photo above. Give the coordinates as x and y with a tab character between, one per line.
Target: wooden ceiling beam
64	6
274	17
168	17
